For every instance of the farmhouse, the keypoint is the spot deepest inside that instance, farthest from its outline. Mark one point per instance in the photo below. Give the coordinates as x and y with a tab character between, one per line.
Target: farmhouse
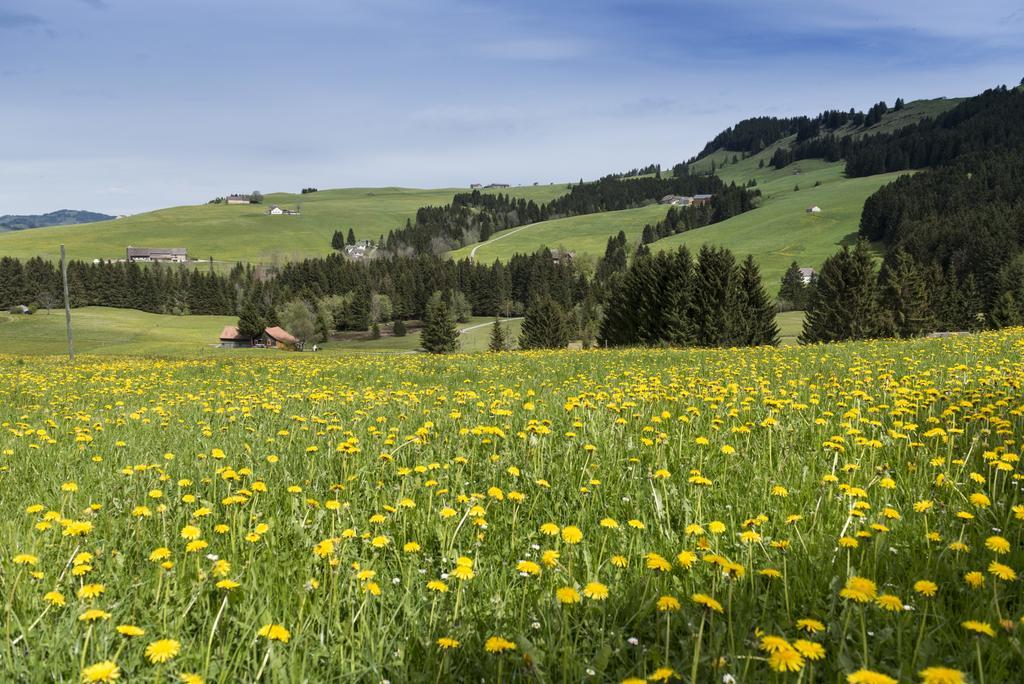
814	209
275	210
701	200
273	338
238	199
562	256
807	275
672	199
359	250
177	255
475	186
496	185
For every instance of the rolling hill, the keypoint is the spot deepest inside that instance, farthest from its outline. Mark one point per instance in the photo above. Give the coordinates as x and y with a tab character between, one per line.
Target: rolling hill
54	218
776	233
244	232
782	231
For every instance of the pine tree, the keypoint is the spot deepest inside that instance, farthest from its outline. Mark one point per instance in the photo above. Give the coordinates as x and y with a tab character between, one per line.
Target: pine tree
351	239
647	305
973	316
904	297
439	336
338	240
251	322
588	318
793	290
498	342
756	320
545	325
679	328
357	313
375	331
398	329
715	298
1004	311
844	302
648	235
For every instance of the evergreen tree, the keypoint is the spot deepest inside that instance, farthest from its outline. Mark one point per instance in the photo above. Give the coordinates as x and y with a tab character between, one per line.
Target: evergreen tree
756	314
251	322
844	302
357	310
498	342
439	336
338	240
1004	311
793	290
715	298
351	239
399	329
677	300
973	317
904	297
375	331
588	318
648	235
545	325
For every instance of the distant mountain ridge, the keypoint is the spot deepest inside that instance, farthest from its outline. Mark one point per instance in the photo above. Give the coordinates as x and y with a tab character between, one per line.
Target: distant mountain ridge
60	217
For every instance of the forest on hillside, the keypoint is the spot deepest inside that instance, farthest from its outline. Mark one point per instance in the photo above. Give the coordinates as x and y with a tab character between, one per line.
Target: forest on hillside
475	216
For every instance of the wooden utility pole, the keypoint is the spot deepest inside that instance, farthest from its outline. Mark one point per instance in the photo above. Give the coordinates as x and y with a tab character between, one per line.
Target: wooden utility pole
67	304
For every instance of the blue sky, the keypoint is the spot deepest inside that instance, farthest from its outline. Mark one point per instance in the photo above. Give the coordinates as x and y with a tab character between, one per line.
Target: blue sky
128	105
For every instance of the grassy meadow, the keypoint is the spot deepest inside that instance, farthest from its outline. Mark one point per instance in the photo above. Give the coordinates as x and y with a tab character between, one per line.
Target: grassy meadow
587	235
777	515
781	231
244	232
777	233
119	332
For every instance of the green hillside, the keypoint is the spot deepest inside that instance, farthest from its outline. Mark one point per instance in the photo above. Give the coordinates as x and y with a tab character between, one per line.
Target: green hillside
585	235
244	232
781	231
743	170
776	233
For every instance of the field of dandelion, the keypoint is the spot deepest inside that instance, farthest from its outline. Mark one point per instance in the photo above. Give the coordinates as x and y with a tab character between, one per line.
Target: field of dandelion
840	513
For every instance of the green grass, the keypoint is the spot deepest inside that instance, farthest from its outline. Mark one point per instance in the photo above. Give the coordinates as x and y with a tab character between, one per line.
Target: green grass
781	231
777	233
245	232
791	324
475	339
657	514
118	332
100	330
586	235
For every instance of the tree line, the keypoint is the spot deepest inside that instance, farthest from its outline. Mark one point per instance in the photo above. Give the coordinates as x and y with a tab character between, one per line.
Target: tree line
407	282
984	123
475	216
672	299
851	299
752	135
